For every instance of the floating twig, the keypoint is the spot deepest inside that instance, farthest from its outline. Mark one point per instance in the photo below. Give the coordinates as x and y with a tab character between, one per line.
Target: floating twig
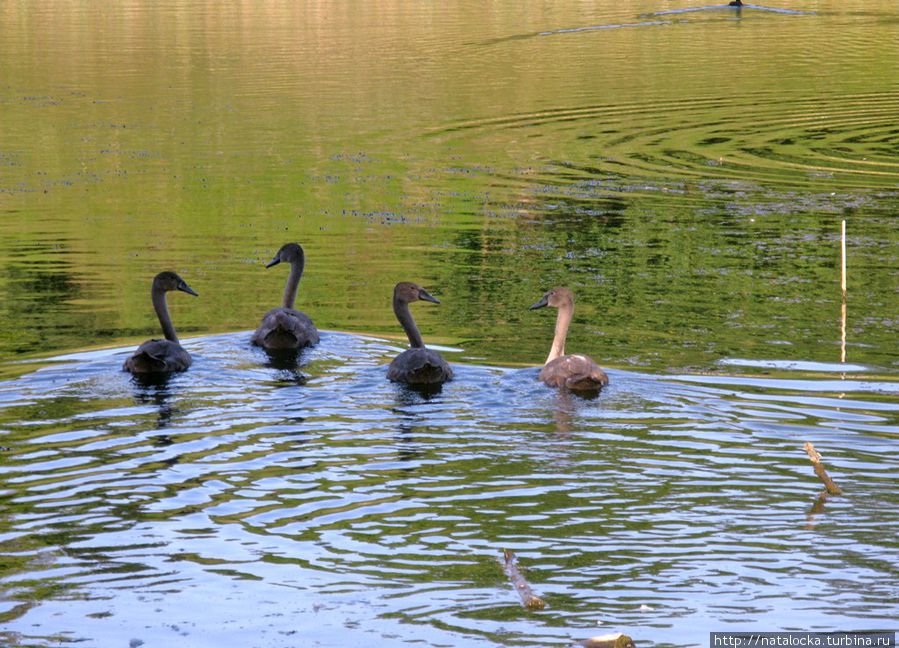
832	488
528	599
616	640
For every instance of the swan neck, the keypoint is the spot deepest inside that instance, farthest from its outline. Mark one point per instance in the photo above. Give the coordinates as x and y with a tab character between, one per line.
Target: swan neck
404	315
162	312
563	320
293	282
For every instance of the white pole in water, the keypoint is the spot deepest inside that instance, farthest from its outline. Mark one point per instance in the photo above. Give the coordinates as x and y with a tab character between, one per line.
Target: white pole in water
843	290
843	258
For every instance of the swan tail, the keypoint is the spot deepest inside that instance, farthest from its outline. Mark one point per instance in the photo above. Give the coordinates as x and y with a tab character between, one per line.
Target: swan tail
585	383
419	367
145	362
283	329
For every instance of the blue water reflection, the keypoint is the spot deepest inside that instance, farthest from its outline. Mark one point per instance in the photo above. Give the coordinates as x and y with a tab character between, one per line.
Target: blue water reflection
322	503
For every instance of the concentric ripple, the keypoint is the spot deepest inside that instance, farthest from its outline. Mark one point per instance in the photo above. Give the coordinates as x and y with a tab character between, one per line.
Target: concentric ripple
762	140
322	505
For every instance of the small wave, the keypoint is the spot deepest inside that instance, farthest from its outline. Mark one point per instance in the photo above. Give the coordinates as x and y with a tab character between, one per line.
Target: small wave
235	477
755	143
728	7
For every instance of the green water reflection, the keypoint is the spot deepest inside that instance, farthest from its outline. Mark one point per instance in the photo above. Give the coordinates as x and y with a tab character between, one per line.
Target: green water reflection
687	178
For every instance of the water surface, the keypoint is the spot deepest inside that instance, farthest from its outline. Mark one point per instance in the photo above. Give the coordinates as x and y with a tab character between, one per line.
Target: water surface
324	505
684	168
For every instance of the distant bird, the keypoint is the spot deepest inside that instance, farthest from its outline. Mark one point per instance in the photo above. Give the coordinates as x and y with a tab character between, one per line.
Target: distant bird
735	3
162	356
575	372
418	365
285	328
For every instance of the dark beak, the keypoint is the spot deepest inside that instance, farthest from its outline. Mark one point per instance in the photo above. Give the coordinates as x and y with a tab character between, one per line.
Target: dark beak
426	296
539	304
183	287
273	262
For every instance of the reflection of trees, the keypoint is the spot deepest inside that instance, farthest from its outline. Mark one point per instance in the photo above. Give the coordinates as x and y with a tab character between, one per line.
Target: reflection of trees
38	288
671	281
49	516
574	192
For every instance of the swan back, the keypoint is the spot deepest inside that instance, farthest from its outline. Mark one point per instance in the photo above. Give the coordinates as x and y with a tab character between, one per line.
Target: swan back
419	366
285	328
158	356
575	372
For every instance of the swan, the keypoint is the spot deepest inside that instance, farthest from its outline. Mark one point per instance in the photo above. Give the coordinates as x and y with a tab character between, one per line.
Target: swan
162	356
576	372
418	365
283	327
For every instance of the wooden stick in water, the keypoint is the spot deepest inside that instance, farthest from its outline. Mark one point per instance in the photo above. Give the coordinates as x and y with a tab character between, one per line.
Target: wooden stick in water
528	599
617	640
832	488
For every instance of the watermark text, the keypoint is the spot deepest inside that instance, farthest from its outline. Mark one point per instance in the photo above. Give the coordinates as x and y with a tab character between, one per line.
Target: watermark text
802	640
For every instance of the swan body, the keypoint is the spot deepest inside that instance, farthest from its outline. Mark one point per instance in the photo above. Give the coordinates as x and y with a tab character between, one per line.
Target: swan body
575	372
421	366
158	356
284	327
162	356
418	365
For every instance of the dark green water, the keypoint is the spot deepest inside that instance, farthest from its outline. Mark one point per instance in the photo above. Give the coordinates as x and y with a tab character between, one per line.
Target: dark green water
684	172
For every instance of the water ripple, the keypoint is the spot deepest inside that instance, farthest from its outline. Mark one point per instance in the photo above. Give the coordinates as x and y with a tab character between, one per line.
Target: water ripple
668	146
688	496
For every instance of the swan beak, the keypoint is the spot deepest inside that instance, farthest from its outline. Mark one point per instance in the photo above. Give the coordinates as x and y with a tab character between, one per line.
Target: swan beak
273	262
426	296
183	287
540	304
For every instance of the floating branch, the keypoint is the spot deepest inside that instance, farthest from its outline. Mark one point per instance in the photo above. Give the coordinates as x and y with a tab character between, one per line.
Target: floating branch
528	599
832	488
617	640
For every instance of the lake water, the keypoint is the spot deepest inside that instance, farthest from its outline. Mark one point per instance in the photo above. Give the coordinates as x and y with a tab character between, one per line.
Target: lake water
684	168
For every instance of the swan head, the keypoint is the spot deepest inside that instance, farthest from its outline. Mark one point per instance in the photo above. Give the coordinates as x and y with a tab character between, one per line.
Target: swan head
288	253
168	280
555	297
406	291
